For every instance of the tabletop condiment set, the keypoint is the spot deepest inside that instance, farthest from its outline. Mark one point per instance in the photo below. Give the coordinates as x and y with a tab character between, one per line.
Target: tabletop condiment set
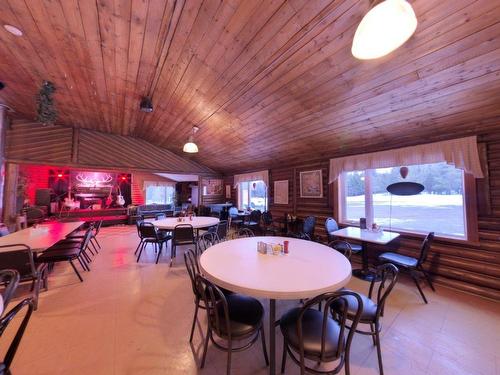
272	248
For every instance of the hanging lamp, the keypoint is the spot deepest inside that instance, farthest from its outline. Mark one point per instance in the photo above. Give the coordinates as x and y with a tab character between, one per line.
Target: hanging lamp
386	27
191	147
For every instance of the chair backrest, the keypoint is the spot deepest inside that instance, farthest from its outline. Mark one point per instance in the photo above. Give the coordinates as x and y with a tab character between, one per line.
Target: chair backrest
148	230
425	247
138	226
343	344
4	322
222	228
386	278
255	216
267	218
309	225
193	269
341	246
216	306
245	232
206	240
9	278
183	233
18	257
160	216
224	215
331	225
86	239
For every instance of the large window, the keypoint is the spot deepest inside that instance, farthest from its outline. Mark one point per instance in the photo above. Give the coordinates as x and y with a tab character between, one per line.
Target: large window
253	195
439	208
159	194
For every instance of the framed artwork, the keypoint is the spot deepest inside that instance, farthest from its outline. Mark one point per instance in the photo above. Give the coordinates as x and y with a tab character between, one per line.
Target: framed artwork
281	192
228	191
212	186
311	184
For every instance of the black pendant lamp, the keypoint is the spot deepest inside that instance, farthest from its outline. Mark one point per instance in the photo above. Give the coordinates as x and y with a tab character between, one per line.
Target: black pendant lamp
405	187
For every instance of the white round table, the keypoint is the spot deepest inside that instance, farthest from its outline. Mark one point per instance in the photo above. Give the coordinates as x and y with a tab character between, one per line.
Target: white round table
198	222
308	270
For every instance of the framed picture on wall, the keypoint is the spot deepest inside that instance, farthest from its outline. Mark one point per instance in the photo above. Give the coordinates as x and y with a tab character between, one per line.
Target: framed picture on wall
228	191
311	184
281	192
212	186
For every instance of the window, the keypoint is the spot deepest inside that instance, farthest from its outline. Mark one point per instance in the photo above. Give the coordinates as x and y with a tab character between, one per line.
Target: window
252	194
439	208
159	194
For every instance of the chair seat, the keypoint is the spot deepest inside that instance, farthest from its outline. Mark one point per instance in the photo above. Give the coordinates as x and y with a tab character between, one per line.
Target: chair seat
369	307
57	255
312	322
398	259
245	315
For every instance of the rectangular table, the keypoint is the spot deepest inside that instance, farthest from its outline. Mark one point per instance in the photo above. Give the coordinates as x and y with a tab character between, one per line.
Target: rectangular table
41	237
365	236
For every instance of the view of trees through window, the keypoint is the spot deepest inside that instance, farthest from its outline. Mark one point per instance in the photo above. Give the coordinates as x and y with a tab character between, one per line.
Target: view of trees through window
439	208
253	194
160	194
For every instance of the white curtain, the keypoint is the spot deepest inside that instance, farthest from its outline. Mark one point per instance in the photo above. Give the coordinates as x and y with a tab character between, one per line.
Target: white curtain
461	153
253	176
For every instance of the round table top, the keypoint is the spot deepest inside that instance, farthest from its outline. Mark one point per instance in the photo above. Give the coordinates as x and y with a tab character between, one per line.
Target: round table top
197	222
308	270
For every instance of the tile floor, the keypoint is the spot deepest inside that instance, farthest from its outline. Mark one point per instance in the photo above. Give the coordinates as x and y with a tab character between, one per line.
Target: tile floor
128	318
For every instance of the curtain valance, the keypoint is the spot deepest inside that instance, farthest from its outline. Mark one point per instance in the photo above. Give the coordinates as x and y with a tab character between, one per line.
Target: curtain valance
253	176
157	183
461	153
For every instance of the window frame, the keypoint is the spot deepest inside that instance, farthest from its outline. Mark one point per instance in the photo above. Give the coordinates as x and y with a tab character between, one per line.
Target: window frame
159	184
240	192
471	234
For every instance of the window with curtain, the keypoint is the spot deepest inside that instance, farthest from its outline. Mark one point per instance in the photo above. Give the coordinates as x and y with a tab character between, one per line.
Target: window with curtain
439	208
253	195
158	193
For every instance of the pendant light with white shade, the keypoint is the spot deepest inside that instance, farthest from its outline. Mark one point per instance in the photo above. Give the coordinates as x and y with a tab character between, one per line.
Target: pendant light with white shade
191	147
386	27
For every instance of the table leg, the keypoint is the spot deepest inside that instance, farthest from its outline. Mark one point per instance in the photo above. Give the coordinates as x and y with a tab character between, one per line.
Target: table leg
272	337
364	273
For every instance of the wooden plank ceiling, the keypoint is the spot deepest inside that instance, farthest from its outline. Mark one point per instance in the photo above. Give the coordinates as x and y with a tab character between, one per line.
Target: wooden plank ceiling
267	81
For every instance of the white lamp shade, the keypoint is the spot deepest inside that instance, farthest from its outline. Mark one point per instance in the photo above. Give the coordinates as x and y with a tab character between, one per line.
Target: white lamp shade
383	29
190	147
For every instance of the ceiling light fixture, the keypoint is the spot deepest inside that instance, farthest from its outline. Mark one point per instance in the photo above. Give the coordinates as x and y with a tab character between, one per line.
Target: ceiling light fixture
13	30
386	27
190	147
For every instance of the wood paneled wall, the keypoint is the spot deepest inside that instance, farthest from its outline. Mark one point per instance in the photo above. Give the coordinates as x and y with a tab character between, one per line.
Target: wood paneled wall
470	267
28	142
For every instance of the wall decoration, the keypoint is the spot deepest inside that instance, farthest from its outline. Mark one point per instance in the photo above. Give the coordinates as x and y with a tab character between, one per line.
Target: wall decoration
213	186
311	184
46	110
281	192
228	191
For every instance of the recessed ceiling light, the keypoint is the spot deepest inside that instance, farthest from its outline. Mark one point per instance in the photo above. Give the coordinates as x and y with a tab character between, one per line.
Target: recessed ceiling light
13	30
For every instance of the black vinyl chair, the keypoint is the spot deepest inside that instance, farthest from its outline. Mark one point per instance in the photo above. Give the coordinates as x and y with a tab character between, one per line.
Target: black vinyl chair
232	317
183	234
245	232
206	240
67	253
319	336
222	229
332	226
342	247
150	234
371	311
138	226
19	257
224	215
95	228
10	279
14	344
308	228
253	222
269	227
412	265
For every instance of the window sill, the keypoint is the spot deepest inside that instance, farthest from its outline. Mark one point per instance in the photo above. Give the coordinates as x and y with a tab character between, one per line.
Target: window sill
419	235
